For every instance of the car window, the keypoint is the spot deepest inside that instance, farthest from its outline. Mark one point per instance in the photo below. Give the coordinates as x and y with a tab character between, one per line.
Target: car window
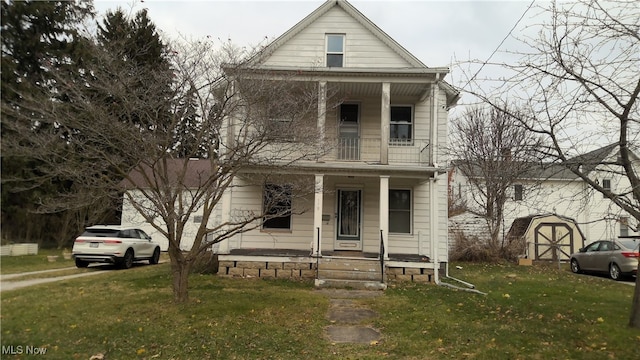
593	247
605	246
142	234
129	234
629	243
100	232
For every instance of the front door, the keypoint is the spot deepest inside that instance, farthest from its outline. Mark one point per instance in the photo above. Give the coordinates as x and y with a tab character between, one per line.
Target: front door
349	132
349	224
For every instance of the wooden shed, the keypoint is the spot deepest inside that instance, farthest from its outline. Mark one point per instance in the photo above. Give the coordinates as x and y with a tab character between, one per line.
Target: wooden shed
547	237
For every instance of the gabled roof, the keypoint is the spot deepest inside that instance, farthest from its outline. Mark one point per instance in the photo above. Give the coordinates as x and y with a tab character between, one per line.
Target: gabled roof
181	173
587	163
355	14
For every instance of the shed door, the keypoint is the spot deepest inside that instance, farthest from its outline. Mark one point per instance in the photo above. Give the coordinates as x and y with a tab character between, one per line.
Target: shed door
553	241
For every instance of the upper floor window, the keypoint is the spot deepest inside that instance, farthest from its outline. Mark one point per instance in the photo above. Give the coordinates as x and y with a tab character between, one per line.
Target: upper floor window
335	50
606	185
518	192
401	124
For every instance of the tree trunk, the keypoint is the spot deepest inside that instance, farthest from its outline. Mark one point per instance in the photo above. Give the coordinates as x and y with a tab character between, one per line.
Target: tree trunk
180	271
634	320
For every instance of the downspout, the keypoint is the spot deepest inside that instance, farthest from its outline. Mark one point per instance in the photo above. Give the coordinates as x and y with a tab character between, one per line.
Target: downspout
434	246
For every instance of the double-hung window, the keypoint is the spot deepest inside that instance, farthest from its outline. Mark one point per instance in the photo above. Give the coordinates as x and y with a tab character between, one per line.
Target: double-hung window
335	50
400	211
518	192
401	125
606	185
277	207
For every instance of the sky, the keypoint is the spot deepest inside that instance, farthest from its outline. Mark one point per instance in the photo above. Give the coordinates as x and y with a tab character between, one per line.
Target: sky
439	33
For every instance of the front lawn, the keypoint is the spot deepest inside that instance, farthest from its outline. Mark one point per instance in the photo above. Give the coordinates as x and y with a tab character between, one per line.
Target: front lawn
25	263
529	313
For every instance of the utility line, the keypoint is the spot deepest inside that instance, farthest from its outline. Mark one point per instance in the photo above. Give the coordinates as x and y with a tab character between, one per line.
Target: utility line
499	45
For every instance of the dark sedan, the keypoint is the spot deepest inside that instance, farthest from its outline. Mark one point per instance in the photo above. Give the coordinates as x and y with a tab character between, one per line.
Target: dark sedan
618	258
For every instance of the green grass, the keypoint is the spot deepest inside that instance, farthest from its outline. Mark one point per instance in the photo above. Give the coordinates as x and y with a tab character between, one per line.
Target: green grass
17	264
529	313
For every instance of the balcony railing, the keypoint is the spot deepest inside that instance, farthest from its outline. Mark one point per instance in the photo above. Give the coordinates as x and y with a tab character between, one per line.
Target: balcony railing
364	149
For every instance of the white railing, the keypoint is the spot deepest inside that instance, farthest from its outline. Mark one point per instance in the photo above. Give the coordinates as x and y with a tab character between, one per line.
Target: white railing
416	151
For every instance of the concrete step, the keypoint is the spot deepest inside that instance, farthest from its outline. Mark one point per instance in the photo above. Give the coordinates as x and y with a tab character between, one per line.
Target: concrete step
350	284
347	264
349	274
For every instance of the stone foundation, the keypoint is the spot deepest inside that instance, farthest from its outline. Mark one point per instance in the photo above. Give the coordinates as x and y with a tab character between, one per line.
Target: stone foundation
306	269
411	274
268	269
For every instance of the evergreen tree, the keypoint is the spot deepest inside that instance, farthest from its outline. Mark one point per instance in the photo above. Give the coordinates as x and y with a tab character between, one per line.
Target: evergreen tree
37	36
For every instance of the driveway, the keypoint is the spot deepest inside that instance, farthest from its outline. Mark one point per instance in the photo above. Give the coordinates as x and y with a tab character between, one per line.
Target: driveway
7	284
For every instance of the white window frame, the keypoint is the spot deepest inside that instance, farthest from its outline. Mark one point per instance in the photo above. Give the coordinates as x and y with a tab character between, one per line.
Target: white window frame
410	210
327	52
402	142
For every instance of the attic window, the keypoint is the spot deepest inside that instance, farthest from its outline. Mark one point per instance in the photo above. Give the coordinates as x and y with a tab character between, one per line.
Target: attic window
335	50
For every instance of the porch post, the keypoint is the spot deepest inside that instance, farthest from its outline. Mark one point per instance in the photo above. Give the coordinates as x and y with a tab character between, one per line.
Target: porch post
322	115
434	122
385	119
384	213
224	246
317	216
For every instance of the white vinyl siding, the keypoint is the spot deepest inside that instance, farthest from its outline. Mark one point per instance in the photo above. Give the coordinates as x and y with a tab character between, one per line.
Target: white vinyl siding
363	49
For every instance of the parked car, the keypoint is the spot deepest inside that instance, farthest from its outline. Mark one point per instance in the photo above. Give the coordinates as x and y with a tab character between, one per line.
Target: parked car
617	257
114	244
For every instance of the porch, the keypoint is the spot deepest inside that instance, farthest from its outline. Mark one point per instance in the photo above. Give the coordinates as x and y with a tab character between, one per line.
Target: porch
332	269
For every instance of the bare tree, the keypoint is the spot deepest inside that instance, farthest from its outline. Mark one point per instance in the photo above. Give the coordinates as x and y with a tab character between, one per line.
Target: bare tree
578	85
113	121
492	151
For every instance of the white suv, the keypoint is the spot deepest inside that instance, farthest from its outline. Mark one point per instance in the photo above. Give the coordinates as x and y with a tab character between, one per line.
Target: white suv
114	244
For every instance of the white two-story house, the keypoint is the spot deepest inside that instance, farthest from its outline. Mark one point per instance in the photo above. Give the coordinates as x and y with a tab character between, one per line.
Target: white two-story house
380	192
550	206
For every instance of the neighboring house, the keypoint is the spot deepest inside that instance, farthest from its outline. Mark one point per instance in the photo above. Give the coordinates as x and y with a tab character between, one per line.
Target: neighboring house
381	193
553	189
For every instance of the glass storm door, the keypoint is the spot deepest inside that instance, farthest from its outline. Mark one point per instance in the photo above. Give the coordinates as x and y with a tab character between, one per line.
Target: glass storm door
349	220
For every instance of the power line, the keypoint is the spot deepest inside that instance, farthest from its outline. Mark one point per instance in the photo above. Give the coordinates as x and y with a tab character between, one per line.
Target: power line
499	45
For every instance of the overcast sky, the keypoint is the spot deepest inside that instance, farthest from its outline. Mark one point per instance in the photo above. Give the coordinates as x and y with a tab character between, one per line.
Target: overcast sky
436	32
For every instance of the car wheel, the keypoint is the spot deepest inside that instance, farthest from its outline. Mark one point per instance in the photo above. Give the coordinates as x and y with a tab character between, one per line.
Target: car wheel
81	263
156	257
127	260
614	272
575	267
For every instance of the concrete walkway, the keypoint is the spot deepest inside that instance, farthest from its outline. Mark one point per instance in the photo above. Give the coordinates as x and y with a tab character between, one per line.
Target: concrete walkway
349	319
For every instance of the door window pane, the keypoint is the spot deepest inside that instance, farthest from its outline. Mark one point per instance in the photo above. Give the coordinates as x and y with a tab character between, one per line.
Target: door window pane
349	214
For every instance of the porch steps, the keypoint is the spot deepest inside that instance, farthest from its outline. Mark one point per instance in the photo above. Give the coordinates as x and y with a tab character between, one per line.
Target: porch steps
350	273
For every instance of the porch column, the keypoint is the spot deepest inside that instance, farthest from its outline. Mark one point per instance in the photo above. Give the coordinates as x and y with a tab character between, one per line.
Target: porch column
322	114
224	246
434	121
317	216
384	213
385	119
